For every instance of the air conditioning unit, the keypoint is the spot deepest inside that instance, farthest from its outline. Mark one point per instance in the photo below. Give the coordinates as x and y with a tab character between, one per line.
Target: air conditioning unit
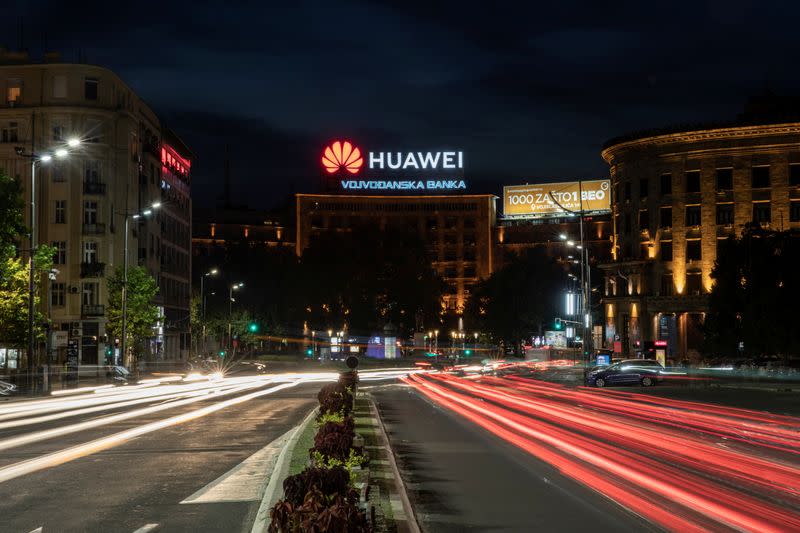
75	333
73	289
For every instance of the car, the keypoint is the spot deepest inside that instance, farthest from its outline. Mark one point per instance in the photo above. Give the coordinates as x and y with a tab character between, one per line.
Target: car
645	372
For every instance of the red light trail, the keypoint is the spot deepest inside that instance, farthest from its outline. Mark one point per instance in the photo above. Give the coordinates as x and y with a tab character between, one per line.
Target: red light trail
685	466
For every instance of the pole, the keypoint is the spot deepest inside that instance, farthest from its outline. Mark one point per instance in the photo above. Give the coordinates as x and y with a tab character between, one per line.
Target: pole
230	313
123	341
32	271
203	307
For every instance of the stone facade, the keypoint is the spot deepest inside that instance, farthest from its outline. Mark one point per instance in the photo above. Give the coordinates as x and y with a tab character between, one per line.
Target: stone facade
675	196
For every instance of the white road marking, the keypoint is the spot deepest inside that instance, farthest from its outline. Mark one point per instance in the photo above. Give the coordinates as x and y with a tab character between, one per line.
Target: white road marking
145	528
37	530
245	481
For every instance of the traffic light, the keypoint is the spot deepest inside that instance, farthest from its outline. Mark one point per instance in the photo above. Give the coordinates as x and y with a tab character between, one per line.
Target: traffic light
222	353
309	352
253	327
559	325
467	352
109	350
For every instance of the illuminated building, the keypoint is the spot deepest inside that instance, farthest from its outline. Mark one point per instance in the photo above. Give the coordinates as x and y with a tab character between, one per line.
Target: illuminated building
676	195
127	161
215	230
456	228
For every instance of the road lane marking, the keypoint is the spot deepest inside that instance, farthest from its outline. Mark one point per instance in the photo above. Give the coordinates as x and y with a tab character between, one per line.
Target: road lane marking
37	530
75	452
145	528
245	481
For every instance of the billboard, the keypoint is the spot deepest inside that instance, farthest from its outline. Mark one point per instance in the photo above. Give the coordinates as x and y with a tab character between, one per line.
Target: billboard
554	199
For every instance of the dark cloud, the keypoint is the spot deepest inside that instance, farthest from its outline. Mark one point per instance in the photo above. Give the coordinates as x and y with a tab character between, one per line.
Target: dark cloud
528	90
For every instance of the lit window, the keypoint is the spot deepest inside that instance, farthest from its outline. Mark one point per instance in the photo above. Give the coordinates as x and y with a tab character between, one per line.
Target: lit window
14	91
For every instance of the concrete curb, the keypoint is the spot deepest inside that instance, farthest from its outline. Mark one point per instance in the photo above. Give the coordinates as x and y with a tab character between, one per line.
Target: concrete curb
411	518
279	472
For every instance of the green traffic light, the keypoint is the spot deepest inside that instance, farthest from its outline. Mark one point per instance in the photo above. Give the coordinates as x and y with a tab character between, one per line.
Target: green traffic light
309	352
253	327
222	353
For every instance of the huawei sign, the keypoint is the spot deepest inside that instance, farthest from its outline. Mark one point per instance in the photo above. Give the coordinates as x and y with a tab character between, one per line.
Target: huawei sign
342	155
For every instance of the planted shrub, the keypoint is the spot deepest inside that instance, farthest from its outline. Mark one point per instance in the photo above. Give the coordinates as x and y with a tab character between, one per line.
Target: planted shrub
319	514
335	398
334	440
329	481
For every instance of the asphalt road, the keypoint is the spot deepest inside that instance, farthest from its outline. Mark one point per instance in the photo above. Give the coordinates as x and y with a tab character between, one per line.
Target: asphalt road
139	481
462	478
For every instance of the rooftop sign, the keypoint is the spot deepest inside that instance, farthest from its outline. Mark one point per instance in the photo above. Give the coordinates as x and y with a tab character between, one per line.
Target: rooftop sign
394	170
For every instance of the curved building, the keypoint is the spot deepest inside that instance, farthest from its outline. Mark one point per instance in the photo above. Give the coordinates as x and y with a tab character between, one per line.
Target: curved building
127	161
676	194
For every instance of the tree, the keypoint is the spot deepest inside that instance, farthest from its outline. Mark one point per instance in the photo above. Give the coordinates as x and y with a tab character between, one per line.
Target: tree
142	314
14	272
11	215
516	300
366	278
755	288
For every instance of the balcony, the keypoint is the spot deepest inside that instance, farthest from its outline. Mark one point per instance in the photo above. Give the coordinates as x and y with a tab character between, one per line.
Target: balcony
93	310
94	229
94	187
93	270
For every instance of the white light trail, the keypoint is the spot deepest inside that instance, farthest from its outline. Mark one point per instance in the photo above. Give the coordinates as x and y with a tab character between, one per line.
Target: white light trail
75	452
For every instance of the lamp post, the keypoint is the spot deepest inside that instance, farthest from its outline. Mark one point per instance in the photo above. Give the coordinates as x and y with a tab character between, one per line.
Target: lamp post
212	272
234	287
36	159
436	341
127	216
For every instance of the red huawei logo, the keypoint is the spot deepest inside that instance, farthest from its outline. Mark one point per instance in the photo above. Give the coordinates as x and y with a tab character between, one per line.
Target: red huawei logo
342	155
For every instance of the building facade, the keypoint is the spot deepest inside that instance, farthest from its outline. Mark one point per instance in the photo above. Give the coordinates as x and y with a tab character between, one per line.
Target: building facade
458	230
675	196
126	161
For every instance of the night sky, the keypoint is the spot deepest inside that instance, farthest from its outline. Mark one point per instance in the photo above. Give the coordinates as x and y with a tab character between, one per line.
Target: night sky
529	92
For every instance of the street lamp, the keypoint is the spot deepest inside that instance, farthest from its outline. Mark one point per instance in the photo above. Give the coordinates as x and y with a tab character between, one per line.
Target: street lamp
212	272
127	216
35	159
234	287
436	340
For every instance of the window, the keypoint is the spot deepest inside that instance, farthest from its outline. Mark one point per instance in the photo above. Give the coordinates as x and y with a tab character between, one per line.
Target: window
694	283
666	285
90	252
665	217
666	183
692	215
794	174
644	187
469	271
724	179
93	131
93	171
794	211
762	213
90	212
724	213
14	91
693	250
10	133
57	171
644	220
693	181
627	191
90	293
60	257
90	88
58	293
59	86
666	250
760	177
60	212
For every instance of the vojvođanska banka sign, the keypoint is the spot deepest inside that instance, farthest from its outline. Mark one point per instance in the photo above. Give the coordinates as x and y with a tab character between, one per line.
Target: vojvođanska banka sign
394	171
556	199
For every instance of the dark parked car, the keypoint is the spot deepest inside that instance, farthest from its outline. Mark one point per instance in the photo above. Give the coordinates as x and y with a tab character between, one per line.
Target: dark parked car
646	372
